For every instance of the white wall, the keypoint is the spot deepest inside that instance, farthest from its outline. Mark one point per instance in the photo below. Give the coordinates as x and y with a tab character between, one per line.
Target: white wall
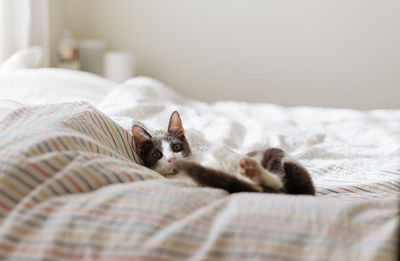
57	18
341	53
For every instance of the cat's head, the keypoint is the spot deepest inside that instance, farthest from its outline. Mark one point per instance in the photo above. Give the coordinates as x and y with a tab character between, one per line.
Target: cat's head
159	152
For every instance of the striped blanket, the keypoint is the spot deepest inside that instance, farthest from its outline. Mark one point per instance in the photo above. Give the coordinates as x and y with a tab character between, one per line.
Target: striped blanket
70	189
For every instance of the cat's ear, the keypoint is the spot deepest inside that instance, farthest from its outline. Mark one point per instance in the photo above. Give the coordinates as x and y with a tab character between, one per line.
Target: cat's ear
140	135
175	124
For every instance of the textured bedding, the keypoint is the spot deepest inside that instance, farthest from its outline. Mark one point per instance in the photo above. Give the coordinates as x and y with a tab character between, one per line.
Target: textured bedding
70	188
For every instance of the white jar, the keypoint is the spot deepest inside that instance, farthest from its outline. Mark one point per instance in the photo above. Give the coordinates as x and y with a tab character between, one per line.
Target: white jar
91	54
119	66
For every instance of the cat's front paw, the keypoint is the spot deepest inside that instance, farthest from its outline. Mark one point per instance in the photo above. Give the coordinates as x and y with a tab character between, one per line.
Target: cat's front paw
253	170
250	168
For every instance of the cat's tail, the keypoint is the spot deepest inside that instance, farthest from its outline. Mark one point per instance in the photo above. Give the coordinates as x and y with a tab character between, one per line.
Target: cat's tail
215	178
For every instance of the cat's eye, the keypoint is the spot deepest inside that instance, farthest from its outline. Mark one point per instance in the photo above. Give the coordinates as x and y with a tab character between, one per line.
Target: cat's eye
157	155
176	147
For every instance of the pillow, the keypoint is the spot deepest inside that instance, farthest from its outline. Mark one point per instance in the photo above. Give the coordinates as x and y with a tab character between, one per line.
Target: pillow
26	58
52	85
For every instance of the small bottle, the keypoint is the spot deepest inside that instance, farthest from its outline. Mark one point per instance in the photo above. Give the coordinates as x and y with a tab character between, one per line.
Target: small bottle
67	52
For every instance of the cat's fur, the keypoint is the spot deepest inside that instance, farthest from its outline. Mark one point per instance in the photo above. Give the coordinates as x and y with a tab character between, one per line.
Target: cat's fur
269	170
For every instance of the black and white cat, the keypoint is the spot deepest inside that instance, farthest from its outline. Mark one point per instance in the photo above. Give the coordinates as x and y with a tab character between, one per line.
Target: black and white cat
270	170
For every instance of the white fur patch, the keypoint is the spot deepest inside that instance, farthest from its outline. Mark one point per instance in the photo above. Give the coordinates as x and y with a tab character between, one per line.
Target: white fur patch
163	166
270	179
166	150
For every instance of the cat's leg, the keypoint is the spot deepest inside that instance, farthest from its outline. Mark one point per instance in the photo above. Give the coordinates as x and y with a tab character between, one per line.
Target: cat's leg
253	170
215	178
296	177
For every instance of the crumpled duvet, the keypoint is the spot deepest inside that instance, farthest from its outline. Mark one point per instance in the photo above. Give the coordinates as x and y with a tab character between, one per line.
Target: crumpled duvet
70	188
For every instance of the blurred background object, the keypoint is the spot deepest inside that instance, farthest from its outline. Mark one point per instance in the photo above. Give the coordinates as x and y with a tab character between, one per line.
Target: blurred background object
119	66
67	52
91	54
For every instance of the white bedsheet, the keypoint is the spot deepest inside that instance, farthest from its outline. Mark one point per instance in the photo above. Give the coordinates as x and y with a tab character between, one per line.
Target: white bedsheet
345	150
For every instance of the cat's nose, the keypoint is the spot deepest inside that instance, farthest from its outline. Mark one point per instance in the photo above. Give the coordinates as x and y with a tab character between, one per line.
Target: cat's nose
171	159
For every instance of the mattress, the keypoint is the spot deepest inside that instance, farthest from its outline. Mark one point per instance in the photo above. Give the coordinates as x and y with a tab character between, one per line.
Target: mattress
70	187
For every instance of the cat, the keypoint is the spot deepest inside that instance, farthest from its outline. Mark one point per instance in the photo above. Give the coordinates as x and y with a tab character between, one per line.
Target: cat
270	170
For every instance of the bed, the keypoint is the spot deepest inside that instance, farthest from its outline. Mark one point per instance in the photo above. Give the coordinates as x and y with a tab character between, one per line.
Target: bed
70	187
